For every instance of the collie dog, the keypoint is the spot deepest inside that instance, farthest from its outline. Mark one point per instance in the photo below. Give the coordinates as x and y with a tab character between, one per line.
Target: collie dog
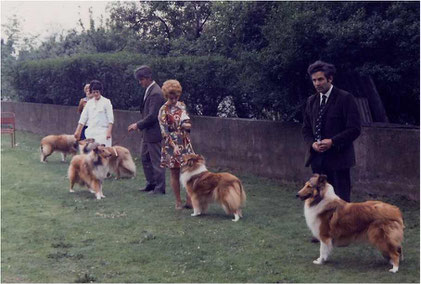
66	144
121	161
205	187
336	222
90	170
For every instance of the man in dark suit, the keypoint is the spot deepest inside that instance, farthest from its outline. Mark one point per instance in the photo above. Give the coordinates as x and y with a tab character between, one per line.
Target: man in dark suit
152	101
331	123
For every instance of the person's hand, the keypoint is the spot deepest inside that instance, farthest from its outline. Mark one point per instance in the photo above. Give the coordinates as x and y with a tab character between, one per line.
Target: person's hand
176	151
316	146
325	145
132	127
77	135
108	134
186	125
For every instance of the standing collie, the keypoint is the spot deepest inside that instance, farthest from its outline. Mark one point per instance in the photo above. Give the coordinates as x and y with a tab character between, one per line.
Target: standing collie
205	187
90	170
121	161
66	144
338	223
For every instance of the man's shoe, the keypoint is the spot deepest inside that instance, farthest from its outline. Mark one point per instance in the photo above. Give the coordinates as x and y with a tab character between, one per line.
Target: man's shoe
147	188
314	240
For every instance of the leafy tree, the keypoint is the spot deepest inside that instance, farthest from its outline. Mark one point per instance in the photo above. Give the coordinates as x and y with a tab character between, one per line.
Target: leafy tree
157	26
11	30
371	38
266	46
104	37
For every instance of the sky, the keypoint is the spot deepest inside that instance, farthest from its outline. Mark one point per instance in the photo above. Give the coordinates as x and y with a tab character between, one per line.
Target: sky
47	17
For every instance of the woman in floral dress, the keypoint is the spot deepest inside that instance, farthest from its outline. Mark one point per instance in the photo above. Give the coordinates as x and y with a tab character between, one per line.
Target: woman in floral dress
175	128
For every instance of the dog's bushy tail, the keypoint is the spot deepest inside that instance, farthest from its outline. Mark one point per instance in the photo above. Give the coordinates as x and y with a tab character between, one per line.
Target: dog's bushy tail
128	165
234	198
44	152
242	194
387	236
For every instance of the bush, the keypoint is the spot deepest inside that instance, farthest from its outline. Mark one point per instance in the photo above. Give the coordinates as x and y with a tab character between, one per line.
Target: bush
206	80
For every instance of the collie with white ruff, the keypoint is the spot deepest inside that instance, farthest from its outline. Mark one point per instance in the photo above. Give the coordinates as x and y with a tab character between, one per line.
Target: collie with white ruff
205	187
90	170
120	163
336	222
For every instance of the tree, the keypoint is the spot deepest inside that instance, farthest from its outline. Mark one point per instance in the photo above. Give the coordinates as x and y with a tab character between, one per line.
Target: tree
160	25
266	46
380	39
11	30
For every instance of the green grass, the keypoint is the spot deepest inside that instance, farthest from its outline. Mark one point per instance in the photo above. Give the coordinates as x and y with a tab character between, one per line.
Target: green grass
51	235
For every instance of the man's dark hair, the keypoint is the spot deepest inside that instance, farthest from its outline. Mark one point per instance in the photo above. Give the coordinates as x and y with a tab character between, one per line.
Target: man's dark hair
95	85
143	71
327	68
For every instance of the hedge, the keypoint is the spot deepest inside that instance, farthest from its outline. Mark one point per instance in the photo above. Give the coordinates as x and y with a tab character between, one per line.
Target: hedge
206	81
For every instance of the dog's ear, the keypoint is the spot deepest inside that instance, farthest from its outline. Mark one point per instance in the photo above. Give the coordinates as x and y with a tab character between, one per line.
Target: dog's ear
200	157
322	180
96	149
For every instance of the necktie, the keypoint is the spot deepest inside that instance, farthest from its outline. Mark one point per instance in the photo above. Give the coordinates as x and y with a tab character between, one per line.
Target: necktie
319	119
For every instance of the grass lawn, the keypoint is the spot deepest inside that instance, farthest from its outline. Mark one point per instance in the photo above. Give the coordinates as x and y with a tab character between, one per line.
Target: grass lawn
51	235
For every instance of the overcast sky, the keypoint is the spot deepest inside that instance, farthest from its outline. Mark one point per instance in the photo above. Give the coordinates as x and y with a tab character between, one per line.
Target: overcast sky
47	17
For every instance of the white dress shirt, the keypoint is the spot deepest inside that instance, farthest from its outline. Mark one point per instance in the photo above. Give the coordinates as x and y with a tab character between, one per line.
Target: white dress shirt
147	89
97	115
327	94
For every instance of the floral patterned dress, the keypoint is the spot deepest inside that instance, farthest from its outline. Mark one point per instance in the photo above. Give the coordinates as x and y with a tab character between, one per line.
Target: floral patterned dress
171	120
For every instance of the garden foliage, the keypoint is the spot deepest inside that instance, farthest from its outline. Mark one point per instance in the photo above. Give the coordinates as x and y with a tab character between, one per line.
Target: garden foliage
252	55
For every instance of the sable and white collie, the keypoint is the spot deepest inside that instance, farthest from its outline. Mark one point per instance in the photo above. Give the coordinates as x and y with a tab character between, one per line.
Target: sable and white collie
205	187
336	222
66	144
121	161
90	170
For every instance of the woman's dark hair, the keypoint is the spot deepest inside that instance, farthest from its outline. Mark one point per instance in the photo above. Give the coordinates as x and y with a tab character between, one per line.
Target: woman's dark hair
95	85
327	68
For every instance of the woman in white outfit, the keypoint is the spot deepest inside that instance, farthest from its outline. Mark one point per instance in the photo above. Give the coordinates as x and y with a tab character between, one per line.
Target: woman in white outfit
98	116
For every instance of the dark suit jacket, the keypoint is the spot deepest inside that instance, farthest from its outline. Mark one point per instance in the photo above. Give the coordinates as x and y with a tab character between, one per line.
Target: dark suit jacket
149	109
341	123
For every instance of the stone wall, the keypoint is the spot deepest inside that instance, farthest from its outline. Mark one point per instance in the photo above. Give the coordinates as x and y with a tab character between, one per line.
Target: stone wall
387	156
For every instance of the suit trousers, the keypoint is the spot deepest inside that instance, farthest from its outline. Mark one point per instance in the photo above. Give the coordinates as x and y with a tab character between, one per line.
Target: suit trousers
339	179
151	160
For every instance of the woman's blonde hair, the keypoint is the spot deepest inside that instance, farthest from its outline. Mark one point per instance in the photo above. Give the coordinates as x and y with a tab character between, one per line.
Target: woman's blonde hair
86	88
171	87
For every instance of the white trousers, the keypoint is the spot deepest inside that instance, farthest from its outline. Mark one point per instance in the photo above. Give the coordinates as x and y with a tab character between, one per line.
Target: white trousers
99	134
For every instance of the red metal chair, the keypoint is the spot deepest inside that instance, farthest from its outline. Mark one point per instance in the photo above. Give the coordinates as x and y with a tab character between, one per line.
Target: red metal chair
8	125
